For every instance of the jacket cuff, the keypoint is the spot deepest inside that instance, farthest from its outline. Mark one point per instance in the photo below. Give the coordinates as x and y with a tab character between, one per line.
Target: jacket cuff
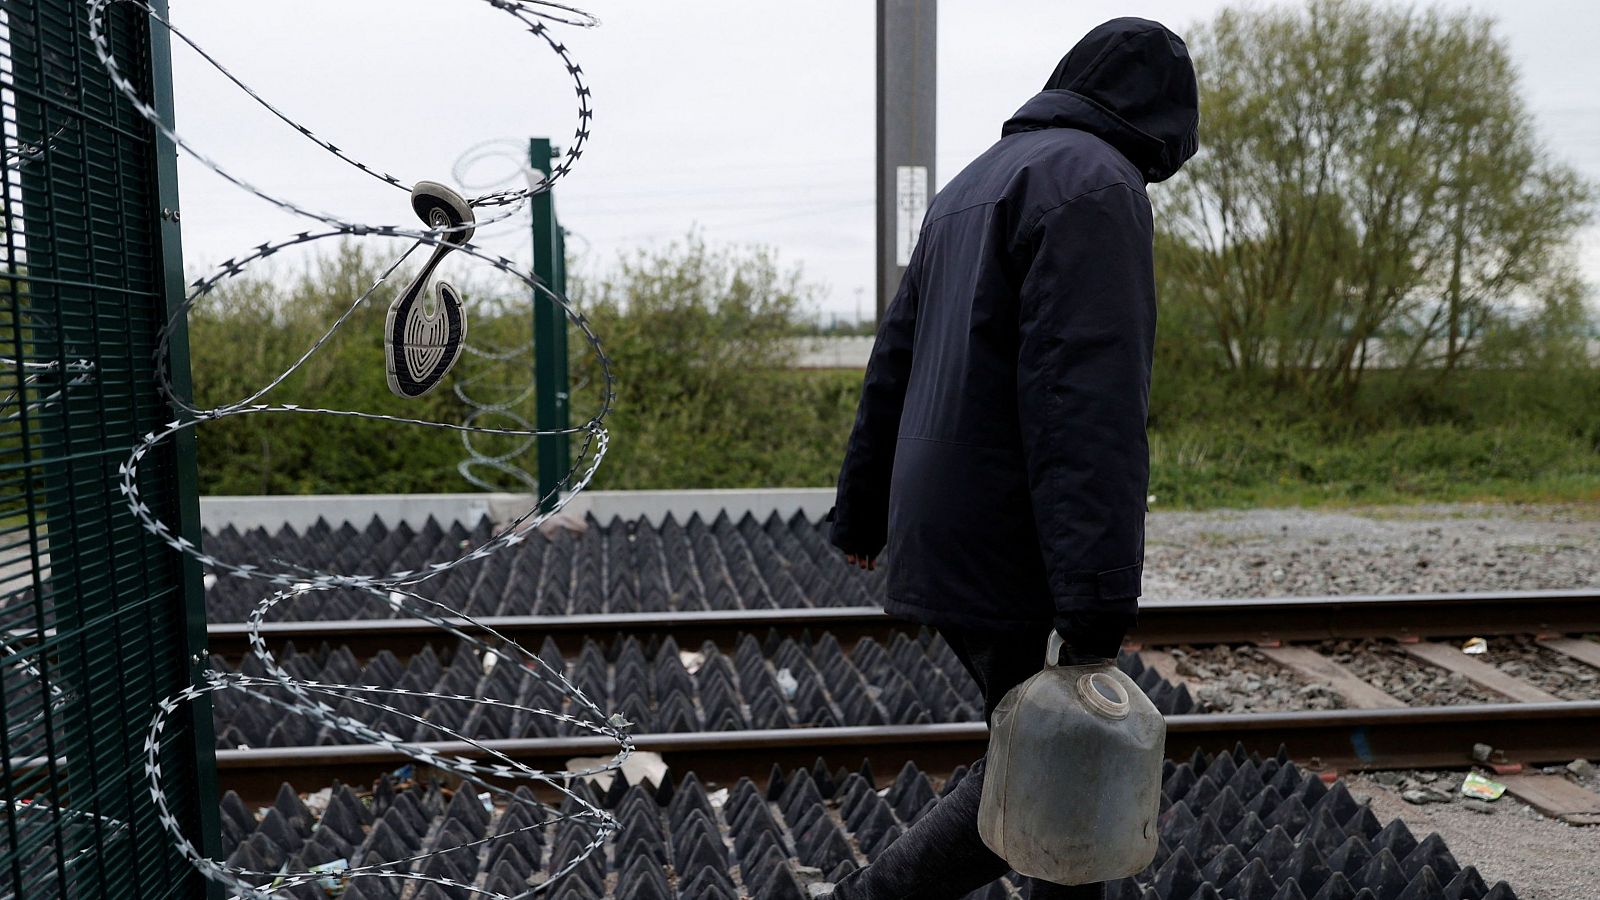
849	540
1110	590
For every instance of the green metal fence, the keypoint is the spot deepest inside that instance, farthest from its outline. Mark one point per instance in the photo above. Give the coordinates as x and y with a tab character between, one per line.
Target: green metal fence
551	385
98	619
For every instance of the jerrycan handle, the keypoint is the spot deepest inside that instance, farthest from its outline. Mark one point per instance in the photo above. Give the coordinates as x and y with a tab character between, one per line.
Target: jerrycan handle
1098	690
1052	650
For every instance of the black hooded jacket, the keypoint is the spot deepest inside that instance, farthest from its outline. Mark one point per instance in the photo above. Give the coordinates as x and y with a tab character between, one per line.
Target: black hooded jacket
998	457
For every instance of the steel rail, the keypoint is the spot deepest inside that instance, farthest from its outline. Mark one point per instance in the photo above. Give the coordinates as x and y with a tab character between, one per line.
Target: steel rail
1348	739
1161	622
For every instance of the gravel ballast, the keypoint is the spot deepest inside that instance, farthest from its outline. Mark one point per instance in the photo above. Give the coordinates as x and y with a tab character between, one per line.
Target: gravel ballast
1555	672
1241	679
1370	550
1397	673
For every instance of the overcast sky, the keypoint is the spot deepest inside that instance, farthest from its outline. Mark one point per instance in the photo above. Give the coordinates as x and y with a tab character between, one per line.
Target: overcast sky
749	120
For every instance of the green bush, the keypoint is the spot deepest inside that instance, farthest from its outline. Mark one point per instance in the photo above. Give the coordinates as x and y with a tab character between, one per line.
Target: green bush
698	337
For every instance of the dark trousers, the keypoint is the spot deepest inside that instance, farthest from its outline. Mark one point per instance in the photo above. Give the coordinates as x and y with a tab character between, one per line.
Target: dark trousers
941	857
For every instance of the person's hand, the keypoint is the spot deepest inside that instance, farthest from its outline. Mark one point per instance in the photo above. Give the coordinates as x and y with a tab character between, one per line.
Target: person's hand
868	563
1090	636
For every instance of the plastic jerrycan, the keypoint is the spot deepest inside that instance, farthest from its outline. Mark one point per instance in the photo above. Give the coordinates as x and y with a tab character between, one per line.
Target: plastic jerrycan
1073	784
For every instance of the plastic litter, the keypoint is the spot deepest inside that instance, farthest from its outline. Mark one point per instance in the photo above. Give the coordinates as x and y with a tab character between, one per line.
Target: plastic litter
1475	646
1481	788
788	684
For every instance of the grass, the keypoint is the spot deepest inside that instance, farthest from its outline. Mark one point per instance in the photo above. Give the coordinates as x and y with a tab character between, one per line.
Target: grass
1493	437
1201	466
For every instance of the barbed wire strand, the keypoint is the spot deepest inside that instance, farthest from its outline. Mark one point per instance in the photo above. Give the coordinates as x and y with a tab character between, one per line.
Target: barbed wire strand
315	700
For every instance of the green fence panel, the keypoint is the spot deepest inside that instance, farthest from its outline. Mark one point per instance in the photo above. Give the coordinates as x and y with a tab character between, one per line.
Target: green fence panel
99	620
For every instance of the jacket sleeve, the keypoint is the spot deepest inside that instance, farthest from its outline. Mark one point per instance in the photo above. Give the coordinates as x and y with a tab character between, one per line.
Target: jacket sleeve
861	507
1087	316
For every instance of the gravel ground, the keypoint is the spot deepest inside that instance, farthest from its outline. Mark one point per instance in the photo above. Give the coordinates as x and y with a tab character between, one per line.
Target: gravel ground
1240	679
1557	673
1371	550
1404	677
1542	859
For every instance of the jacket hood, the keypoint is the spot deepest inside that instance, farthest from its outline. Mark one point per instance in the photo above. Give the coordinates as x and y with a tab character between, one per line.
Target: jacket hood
1130	83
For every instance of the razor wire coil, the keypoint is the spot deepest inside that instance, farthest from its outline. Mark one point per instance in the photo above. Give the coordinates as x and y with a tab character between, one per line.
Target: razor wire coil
331	705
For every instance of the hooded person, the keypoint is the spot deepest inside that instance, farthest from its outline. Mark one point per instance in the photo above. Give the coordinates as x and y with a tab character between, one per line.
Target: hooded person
998	458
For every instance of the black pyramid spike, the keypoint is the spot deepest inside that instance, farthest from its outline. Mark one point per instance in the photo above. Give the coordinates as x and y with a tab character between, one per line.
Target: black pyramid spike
1382	876
340	820
823	778
866	772
1206	841
293	810
1289	891
1364	823
1176	823
617	790
1253	883
1179	783
1431	853
1467	885
1351	857
1224	866
1206	892
466	808
776	783
1227	810
1273	849
1291	814
1179	877
1337	887
840	776
1311	789
1204	791
1337	800
1263	803
234	809
1324	832
1306	867
781	886
1287	781
1222	768
1250	831
1396	838
1500	891
1425	886
664	790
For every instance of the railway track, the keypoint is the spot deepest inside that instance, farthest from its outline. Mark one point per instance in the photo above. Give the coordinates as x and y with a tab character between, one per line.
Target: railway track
1377	731
1337	740
1161	622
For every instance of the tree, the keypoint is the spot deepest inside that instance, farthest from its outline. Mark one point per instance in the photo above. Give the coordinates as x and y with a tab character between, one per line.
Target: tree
1369	176
700	341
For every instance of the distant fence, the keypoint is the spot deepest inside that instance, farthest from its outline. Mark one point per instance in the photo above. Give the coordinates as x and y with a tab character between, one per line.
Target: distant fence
853	352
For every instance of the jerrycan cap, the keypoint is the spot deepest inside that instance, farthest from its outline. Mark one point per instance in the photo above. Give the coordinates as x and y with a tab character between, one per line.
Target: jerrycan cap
1097	689
1103	694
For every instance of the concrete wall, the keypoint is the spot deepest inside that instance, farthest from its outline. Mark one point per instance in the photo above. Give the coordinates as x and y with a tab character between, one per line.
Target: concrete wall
831	352
414	509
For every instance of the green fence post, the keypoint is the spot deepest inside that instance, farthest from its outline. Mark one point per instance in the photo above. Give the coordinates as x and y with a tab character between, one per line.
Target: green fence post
549	332
186	469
